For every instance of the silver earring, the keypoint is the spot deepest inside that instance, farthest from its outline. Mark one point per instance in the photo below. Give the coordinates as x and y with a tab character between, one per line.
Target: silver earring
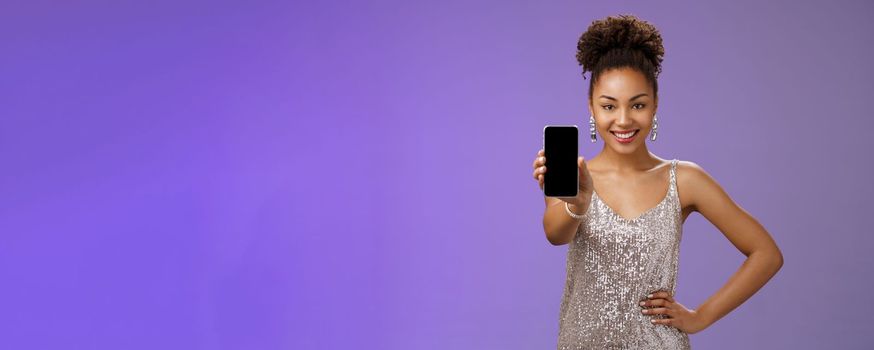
592	127
655	127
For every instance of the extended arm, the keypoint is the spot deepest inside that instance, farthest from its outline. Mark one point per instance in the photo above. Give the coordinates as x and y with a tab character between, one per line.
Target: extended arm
560	227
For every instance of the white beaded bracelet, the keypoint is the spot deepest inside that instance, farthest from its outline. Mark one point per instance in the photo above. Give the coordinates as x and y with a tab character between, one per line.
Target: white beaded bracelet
572	214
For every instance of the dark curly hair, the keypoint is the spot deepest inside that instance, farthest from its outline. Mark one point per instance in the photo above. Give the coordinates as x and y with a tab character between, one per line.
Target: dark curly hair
619	42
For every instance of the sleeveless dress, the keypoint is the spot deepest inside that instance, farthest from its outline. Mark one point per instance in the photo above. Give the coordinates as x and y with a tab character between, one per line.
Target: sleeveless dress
612	264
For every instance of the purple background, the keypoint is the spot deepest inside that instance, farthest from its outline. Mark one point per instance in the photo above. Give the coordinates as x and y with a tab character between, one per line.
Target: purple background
338	175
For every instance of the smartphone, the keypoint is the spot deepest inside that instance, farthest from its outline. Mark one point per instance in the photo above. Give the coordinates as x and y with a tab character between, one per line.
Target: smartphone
560	147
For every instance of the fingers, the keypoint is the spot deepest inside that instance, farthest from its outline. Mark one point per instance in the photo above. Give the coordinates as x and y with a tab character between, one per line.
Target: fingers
539	171
661	295
658	311
539	161
661	303
654	302
660	299
539	166
665	321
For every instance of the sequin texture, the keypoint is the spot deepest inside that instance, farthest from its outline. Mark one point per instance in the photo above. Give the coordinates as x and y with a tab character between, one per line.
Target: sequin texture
612	264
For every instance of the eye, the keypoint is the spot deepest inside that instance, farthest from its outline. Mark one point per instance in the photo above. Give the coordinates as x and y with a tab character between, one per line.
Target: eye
639	104
607	107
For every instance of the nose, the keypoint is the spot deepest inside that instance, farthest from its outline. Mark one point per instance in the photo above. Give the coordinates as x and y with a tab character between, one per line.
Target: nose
624	118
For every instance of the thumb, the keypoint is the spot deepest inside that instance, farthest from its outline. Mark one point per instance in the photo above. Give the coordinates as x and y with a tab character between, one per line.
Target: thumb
583	169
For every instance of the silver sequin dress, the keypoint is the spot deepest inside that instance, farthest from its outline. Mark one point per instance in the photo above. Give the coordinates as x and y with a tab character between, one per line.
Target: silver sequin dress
612	264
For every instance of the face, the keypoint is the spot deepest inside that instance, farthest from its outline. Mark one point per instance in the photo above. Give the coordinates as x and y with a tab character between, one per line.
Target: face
622	102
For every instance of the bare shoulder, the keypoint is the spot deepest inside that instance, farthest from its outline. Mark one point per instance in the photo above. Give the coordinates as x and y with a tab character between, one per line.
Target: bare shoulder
690	170
695	185
701	193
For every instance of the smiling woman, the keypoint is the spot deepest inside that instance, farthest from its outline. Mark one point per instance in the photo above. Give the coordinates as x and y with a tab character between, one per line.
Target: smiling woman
622	261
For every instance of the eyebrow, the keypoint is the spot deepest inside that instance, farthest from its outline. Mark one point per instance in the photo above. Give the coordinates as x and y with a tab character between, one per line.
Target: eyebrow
631	99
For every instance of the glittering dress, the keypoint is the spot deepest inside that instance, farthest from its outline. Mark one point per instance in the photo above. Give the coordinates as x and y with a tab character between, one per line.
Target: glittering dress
612	264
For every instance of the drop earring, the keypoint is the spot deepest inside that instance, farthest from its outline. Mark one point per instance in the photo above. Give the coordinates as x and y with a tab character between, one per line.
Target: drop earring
655	127
592	127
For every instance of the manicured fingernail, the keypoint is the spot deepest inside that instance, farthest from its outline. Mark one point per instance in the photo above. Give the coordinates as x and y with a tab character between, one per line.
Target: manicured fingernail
644	310
642	303
649	295
653	321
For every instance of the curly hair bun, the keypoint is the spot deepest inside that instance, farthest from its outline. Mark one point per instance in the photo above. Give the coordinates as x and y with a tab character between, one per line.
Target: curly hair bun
623	38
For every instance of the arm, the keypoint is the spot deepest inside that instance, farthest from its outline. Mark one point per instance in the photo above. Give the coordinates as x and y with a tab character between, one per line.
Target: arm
560	227
764	258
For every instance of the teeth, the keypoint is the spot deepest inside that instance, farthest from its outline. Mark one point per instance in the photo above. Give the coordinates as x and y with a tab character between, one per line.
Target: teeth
625	136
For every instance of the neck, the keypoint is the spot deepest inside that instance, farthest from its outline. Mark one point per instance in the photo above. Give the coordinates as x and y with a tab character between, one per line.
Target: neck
638	160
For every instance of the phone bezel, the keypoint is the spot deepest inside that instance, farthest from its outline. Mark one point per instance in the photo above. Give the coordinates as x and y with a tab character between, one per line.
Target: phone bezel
543	146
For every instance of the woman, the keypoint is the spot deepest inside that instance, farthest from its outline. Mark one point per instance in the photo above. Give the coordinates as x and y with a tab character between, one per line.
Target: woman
624	227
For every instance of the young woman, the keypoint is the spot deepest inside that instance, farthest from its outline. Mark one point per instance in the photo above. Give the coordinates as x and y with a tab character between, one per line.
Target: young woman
624	227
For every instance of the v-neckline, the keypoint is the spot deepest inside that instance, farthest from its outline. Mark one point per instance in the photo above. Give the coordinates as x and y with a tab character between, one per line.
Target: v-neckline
645	212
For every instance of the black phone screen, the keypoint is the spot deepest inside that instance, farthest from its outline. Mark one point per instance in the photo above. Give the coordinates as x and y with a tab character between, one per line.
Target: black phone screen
560	147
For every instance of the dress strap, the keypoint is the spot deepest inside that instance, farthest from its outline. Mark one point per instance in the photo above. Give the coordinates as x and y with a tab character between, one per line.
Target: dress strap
674	172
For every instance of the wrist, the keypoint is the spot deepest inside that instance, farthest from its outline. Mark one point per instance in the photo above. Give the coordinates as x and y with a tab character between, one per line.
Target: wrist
574	211
704	316
577	208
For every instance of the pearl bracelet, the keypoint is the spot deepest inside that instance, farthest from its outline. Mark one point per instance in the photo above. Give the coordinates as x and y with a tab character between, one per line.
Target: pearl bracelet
572	214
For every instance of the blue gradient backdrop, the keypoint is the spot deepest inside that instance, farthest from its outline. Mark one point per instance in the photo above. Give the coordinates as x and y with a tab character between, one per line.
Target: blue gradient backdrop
357	175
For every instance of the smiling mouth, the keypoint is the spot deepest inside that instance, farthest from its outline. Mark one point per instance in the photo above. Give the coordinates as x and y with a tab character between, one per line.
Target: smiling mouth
625	136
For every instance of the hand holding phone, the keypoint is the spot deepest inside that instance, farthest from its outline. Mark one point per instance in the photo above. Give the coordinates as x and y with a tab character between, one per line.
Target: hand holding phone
568	177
